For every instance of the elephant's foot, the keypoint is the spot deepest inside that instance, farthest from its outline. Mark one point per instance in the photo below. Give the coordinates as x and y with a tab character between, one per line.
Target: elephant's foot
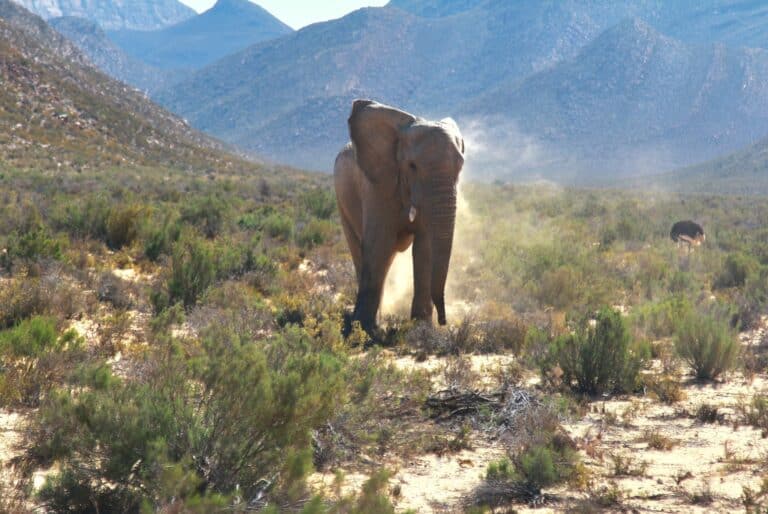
348	324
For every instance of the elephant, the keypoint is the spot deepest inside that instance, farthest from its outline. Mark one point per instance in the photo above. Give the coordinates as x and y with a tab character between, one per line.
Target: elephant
395	186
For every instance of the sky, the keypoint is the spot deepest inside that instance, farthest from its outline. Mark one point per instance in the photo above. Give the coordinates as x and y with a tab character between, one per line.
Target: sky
299	13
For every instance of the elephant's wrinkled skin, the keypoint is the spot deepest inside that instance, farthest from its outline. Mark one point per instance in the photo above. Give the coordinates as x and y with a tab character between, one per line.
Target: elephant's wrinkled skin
396	186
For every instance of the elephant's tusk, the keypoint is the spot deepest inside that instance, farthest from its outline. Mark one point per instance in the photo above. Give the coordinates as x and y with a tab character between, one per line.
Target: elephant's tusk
412	214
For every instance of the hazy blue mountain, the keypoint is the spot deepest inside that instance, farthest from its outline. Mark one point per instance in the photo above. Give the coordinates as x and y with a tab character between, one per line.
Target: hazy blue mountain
114	14
744	172
110	58
636	101
227	27
435	8
267	97
570	86
735	22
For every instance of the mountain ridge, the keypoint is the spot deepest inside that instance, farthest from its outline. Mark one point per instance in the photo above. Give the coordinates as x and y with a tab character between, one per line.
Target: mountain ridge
112	14
228	26
109	58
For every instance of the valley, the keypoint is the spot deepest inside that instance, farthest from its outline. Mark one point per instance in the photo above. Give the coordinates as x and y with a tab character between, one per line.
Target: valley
176	287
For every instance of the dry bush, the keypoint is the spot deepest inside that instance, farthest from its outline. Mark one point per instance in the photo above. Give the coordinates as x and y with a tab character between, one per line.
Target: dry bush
24	297
112	331
755	413
665	387
657	441
707	413
114	290
455	340
502	334
458	373
627	466
234	305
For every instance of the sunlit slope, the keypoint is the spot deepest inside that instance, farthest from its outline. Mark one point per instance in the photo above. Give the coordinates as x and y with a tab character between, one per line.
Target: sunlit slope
55	110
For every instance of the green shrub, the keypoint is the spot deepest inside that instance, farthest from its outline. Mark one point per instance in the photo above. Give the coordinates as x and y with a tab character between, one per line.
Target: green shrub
559	288
221	415
320	203
314	233
261	272
159	237
83	219
707	343
737	268
278	226
123	226
193	270
254	220
31	245
683	282
500	470
751	300
34	359
208	213
542	456
539	467
659	319
600	359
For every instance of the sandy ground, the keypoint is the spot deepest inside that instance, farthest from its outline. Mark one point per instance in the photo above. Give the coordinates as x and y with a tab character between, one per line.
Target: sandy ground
705	470
10	440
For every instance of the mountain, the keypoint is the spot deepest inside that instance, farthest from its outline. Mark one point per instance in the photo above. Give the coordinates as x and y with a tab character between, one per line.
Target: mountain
288	98
502	67
635	101
734	22
435	8
744	172
57	111
109	58
227	27
114	14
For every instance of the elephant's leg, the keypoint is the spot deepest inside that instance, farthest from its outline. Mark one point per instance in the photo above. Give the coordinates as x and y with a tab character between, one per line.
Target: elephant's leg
376	259
354	243
421	308
438	297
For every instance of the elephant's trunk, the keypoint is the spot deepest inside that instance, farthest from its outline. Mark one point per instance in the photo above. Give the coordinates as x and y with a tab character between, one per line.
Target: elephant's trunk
443	216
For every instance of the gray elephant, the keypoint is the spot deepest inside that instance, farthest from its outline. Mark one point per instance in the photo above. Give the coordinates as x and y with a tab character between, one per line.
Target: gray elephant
396	186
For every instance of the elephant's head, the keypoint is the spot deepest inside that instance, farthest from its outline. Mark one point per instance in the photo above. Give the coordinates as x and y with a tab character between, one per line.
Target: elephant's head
417	162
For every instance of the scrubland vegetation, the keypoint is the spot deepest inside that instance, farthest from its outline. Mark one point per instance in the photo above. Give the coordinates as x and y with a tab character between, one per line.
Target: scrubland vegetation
174	340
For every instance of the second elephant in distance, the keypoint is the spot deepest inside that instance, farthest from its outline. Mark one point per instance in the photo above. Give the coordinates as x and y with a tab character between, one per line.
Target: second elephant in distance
396	186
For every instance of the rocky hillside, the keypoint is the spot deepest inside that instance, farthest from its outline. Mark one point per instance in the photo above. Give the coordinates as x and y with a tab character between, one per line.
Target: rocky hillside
114	14
57	111
227	27
635	101
109	58
568	80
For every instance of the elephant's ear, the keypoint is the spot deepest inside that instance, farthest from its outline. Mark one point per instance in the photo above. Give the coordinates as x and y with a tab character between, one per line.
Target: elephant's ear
458	139
375	129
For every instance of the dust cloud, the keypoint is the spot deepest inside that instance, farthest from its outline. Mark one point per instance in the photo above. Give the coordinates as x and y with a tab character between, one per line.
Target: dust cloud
495	149
498	149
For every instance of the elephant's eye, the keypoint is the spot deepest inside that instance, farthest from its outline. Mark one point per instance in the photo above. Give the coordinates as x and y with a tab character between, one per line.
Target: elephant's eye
413	167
